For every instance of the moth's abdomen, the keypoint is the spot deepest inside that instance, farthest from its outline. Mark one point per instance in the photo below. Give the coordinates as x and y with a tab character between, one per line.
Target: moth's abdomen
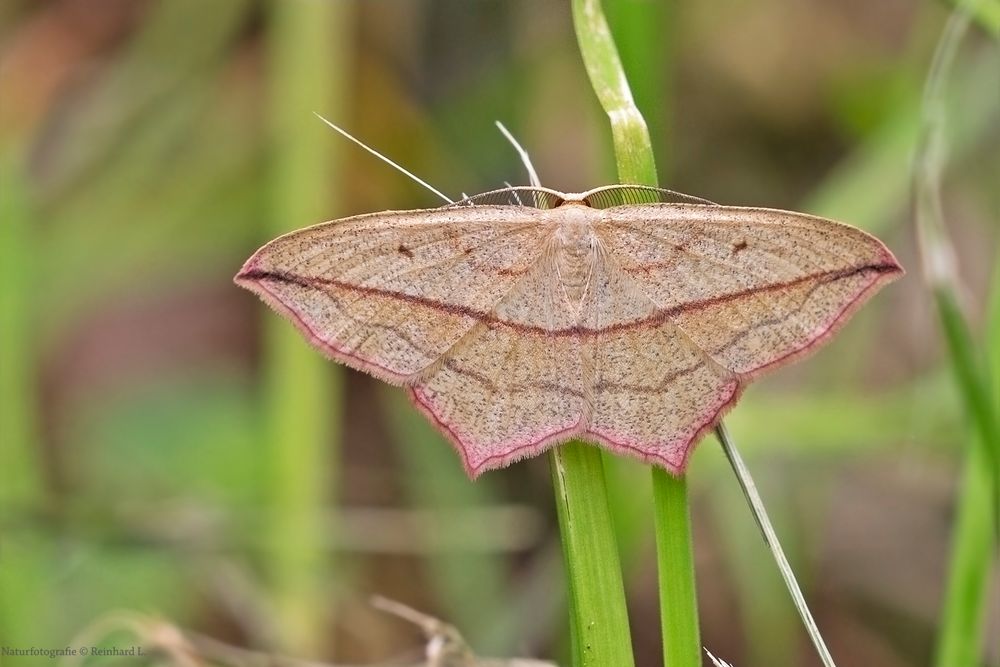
575	255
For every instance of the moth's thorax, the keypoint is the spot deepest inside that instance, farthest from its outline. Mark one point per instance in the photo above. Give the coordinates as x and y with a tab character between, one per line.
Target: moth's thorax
575	250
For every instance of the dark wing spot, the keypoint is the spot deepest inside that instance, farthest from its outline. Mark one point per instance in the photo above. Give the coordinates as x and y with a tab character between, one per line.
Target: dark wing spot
403	250
509	271
467	251
739	245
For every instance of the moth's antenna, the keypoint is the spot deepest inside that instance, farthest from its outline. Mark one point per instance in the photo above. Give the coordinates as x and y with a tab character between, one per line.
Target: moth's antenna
532	174
513	191
374	152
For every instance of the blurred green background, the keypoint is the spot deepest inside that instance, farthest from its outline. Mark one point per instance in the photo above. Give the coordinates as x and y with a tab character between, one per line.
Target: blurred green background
175	460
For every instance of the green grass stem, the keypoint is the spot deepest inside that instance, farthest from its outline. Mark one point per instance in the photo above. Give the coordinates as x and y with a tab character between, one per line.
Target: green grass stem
599	630
308	47
636	164
675	565
633	149
646	44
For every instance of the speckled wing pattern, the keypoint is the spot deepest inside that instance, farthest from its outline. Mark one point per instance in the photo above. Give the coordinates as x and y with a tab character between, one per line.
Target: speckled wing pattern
516	328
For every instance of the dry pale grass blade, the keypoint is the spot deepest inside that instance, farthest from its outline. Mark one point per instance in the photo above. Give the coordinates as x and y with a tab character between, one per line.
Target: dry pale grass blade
151	640
756	504
516	328
445	645
523	154
716	661
148	638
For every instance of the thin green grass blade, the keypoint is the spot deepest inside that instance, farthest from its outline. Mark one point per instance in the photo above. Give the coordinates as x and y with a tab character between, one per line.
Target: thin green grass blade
973	542
771	540
770	627
599	630
960	639
963	618
973	383
938	255
308	47
636	164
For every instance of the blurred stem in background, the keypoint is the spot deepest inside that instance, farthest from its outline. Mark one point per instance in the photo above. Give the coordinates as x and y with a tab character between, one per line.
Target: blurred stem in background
470	583
985	13
309	47
636	164
21	490
960	640
21	487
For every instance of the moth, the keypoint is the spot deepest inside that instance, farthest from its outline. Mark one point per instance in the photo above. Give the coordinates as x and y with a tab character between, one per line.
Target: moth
629	316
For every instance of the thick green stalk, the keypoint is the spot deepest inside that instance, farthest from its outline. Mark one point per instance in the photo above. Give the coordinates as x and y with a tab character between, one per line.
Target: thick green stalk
646	46
675	564
307	52
598	617
634	157
633	150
